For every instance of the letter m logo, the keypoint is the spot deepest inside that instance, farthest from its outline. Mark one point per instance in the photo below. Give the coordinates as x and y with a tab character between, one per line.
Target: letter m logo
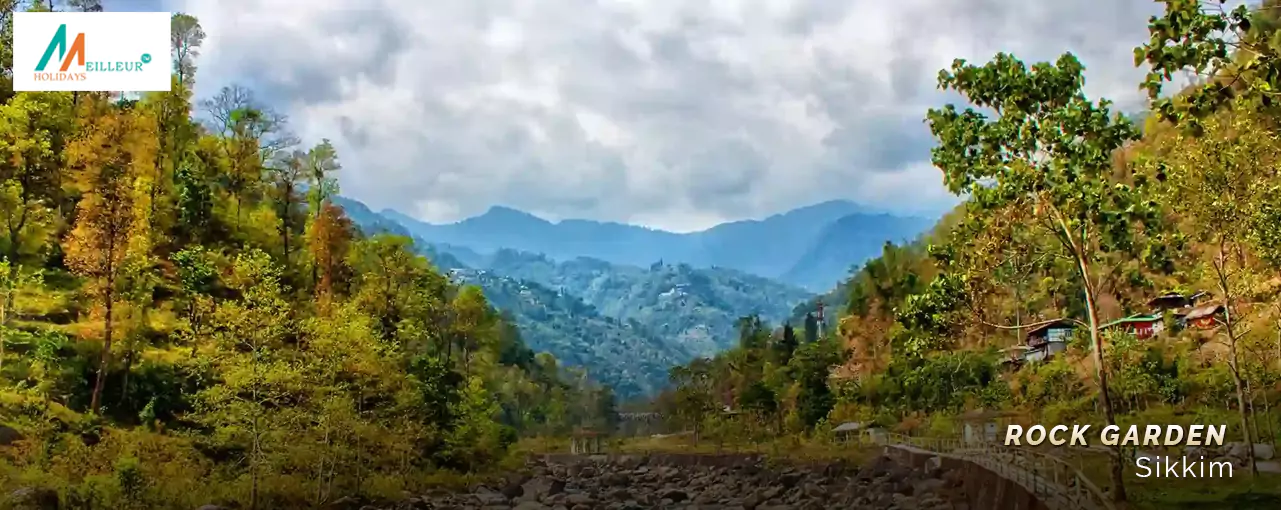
59	43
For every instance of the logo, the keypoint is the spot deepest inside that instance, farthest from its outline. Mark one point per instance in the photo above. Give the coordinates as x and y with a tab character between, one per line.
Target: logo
95	51
59	44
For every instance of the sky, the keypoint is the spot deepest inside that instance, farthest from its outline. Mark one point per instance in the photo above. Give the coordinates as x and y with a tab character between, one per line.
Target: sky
672	114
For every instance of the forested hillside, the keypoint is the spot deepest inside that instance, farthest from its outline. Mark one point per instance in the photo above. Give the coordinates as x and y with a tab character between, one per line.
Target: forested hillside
695	308
187	317
1073	215
624	325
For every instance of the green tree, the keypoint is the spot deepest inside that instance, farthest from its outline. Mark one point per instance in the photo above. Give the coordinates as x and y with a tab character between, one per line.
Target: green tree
186	36
33	130
1233	54
107	236
786	345
1221	181
811	328
1048	150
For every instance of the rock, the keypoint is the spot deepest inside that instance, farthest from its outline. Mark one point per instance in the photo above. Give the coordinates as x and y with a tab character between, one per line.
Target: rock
530	505
9	435
344	503
676	495
1264	451
31	498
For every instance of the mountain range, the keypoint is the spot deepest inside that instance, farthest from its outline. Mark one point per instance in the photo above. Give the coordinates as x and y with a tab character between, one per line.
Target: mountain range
627	302
812	247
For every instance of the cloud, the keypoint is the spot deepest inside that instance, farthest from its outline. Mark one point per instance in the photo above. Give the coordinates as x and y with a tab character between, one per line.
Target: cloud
673	113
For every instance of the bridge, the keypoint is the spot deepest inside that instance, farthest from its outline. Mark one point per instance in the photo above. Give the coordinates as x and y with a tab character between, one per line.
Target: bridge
1002	477
998	476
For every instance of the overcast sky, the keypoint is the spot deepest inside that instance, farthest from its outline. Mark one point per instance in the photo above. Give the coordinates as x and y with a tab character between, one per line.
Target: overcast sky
674	114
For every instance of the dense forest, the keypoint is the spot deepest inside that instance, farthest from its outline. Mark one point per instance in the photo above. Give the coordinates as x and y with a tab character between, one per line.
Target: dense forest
186	317
1073	214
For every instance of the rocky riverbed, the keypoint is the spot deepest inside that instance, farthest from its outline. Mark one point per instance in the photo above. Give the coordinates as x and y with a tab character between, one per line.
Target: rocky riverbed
668	482
643	482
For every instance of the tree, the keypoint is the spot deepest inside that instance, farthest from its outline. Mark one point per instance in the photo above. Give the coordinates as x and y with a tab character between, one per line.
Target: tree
196	278
33	127
322	162
811	328
85	5
118	147
693	394
1221	181
329	239
1048	150
186	36
251	135
7	8
254	378
1232	55
287	175
786	345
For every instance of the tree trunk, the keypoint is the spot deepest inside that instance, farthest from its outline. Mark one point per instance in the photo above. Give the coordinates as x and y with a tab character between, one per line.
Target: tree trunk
96	399
4	321
1105	400
1234	366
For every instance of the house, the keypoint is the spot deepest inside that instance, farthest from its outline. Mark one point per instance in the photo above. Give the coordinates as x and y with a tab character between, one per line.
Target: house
848	431
982	426
1012	358
1048	339
1142	325
1205	317
1174	301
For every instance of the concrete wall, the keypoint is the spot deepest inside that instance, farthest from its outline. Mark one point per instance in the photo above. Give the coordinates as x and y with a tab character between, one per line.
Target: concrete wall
983	488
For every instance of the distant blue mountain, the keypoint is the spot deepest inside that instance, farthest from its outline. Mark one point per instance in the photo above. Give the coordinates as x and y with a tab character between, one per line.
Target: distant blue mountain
813	247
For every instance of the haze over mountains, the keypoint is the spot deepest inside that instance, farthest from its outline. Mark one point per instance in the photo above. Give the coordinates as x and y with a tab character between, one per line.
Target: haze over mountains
812	247
626	302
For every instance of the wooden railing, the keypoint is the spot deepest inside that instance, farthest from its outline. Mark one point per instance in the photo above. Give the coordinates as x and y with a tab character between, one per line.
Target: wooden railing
1053	481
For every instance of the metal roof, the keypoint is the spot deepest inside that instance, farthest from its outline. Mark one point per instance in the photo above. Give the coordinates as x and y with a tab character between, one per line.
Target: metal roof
1204	311
848	427
1140	317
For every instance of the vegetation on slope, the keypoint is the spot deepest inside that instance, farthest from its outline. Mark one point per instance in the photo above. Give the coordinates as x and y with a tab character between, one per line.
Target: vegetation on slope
186	317
1069	214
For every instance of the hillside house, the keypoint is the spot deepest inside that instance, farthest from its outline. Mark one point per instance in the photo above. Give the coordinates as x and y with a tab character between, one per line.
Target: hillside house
1205	317
1142	326
1048	339
983	426
1175	301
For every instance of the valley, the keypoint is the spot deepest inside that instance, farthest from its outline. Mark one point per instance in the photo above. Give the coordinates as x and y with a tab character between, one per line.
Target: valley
628	324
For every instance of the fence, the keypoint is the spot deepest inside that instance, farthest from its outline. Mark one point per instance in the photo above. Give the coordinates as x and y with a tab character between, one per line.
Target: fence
1053	481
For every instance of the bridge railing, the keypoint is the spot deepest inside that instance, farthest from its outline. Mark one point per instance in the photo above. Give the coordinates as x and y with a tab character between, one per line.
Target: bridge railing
1051	479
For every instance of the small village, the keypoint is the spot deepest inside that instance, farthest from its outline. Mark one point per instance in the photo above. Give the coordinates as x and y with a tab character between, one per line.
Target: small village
1169	313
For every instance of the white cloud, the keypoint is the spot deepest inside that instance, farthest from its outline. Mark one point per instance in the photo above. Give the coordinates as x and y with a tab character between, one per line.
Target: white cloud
673	113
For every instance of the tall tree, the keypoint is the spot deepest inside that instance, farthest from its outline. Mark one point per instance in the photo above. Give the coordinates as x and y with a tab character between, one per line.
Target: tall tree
1221	181
322	163
811	328
786	345
186	36
1048	150
287	175
117	147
